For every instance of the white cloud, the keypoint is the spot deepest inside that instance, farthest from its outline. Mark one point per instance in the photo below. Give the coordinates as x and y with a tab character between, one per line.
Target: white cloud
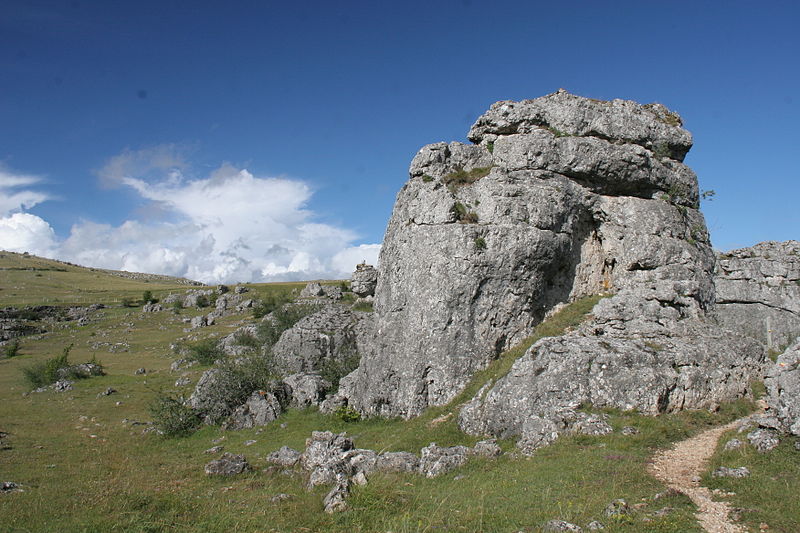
231	226
13	200
23	232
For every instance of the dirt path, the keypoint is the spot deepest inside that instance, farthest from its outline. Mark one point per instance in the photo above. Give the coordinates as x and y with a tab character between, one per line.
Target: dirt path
680	468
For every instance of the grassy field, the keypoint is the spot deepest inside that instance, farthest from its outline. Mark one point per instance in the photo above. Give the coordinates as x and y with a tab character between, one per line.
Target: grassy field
85	464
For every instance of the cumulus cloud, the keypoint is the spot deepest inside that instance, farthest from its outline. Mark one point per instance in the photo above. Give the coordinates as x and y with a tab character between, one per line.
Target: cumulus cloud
229	226
23	232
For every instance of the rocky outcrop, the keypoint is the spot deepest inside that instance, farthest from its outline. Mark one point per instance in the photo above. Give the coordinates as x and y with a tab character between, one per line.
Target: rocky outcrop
559	198
783	390
334	334
364	280
758	291
261	408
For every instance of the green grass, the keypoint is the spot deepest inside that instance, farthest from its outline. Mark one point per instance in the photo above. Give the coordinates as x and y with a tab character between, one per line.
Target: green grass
84	469
769	495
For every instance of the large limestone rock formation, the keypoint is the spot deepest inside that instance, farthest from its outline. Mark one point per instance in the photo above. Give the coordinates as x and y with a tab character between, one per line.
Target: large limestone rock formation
559	197
758	292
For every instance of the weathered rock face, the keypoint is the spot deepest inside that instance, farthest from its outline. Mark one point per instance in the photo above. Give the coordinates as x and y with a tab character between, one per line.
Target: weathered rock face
758	291
783	389
332	333
561	197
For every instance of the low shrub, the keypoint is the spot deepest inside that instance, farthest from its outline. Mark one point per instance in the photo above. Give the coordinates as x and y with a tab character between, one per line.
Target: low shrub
269	304
205	352
334	369
234	381
363	306
44	373
460	177
281	319
172	416
11	349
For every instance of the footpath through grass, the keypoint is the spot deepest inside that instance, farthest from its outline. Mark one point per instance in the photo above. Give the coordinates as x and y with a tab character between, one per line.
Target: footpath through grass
85	465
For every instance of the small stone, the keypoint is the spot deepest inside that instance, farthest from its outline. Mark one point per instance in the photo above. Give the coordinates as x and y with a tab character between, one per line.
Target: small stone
764	440
218	440
215	449
140	371
250	442
629	430
560	525
335	500
594	525
733	444
282	497
182	381
663	511
284	456
618	507
487	448
797	445
9	486
227	465
739	472
360	478
696	479
63	385
108	392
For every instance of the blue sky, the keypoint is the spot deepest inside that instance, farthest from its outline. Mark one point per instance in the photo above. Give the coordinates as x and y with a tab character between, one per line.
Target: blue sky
236	141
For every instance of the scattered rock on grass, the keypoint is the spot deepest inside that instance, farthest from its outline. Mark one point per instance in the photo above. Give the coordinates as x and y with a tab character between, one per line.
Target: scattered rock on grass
733	444
397	462
764	440
436	460
618	507
560	525
9	486
227	465
215	449
629	430
724	471
63	385
284	456
336	500
487	448
594	525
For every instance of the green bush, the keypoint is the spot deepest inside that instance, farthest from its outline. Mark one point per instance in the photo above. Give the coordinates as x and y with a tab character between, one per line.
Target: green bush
205	352
334	369
480	243
172	417
234	382
44	373
346	413
11	349
147	298
177	305
127	302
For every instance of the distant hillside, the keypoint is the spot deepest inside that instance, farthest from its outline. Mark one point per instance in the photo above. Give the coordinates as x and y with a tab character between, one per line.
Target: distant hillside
26	279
